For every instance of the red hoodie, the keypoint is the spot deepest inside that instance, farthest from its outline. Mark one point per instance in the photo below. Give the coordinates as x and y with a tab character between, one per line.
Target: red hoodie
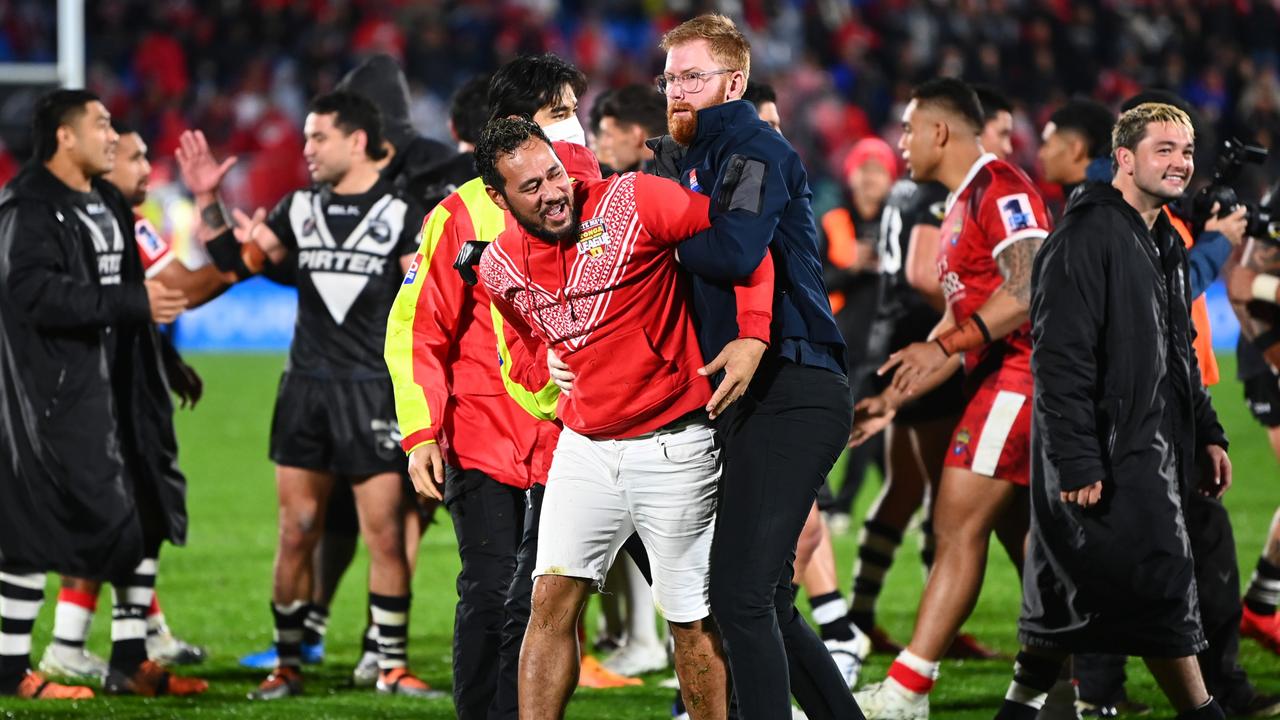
614	305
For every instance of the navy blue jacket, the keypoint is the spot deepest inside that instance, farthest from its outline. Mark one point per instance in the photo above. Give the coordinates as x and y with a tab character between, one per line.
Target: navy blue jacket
769	211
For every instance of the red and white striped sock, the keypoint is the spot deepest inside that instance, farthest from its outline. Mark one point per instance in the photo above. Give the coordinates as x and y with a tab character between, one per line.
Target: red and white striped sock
73	616
913	673
155	618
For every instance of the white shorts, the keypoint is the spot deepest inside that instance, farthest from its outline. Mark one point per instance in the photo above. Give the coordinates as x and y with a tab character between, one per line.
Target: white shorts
662	486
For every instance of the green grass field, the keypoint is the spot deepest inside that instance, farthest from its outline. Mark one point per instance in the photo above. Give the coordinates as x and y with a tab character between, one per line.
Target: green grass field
215	590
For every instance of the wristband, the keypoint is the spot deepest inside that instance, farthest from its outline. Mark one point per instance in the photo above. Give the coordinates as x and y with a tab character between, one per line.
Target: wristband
224	251
230	256
968	335
1265	288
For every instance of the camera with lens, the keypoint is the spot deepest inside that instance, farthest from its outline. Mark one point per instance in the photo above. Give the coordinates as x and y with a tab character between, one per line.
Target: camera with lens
1261	217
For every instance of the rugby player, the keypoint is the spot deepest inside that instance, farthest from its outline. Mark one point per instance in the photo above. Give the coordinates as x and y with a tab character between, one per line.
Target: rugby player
995	222
349	238
71	278
66	655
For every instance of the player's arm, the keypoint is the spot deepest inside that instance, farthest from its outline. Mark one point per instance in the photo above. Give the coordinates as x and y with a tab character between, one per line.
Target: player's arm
1005	311
1253	286
232	261
41	284
922	264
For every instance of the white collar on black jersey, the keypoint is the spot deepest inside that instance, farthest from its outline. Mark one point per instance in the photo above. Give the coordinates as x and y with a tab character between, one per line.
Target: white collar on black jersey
973	172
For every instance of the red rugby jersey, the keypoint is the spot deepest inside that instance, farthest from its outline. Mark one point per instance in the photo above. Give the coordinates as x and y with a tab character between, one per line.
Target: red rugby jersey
996	205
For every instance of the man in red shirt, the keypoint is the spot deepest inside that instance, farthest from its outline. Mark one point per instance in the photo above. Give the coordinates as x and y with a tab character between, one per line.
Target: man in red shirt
995	222
591	273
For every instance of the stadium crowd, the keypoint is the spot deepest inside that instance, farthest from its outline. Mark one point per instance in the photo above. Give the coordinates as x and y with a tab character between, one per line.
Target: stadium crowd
962	309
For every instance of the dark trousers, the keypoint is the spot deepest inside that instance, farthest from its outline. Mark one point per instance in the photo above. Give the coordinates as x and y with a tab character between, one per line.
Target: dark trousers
780	441
489	521
1218	585
506	702
1218	582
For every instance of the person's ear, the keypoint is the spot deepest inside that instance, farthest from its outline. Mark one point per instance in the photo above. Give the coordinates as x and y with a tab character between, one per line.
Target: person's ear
1079	153
1125	160
65	136
497	198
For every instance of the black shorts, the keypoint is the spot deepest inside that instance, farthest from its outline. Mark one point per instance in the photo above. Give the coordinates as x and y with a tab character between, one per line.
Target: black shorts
344	427
1262	393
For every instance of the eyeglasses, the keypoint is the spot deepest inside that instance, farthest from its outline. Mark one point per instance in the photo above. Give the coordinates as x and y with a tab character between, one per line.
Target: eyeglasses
692	82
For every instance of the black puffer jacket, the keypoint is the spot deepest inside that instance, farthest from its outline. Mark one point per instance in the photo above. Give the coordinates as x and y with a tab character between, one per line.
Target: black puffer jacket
1118	398
84	445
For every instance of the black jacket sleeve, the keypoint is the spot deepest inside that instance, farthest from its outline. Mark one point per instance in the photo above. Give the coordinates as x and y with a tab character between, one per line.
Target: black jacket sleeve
41	282
1069	293
1209	430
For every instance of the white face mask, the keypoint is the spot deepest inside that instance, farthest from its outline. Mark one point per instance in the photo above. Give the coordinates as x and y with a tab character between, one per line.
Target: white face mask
567	130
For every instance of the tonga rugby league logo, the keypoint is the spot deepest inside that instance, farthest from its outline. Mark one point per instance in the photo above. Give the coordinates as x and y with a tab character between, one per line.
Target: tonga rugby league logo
593	236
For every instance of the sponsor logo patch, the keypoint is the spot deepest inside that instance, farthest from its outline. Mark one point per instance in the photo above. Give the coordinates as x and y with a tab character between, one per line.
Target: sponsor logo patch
1016	213
149	241
963	438
410	276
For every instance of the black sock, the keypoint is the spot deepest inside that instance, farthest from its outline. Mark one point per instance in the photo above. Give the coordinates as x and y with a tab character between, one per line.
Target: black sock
20	599
876	546
370	642
315	625
1033	677
131	600
391	615
928	545
1264	589
831	614
1208	711
288	636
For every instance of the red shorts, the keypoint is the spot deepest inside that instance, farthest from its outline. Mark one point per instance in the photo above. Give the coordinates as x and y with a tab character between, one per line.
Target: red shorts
993	437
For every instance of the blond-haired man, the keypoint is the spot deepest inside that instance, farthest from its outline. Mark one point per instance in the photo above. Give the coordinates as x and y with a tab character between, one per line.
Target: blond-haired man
1120	416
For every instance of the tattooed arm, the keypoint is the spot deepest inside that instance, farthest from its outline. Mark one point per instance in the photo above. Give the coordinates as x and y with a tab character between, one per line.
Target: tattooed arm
1010	304
1005	311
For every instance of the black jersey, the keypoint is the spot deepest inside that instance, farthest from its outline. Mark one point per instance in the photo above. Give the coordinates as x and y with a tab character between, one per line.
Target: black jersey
107	236
344	251
903	315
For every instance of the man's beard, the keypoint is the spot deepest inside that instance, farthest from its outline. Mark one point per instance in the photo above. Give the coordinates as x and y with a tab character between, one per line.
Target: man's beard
682	130
555	238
